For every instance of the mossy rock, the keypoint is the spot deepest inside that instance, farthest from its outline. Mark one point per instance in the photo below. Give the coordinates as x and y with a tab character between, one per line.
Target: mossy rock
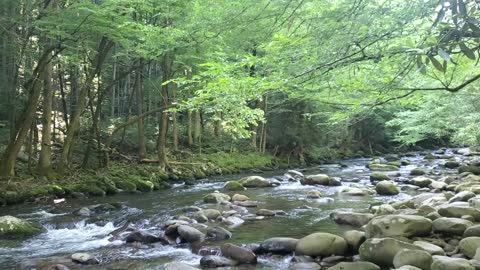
126	185
233	186
472	169
162	175
58	190
382	167
405	162
91	189
12	197
41	191
199	174
143	185
13	228
377	176
108	185
418	171
164	185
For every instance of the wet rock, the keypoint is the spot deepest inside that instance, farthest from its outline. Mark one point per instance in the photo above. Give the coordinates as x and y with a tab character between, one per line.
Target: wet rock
218	233
58	267
383	209
143	237
417	258
12	227
462	196
255	182
190	209
421	181
239	198
377	176
430	248
211	214
239	254
354	219
317	179
473	169
233	186
398	225
211	261
247	204
190	234
84	211
438	185
314	194
84	258
472	231
306	266
381	251
355	266
452	164
179	266
233	222
279	245
352	191
447	263
450	226
321	244
469	245
458	209
265	212
386	188
296	175
216	197
382	167
354	239
418	171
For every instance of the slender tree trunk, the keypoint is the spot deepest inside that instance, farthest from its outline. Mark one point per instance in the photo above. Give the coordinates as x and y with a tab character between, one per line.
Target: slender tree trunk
217	130
102	52
189	129
62	96
45	160
163	125
142	150
197	129
174	123
263	145
34	86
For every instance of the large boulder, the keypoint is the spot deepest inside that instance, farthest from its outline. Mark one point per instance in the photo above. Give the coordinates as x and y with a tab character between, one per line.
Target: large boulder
190	234
448	263
216	197
12	227
450	226
279	245
381	251
218	233
469	245
354	219
354	266
255	182
317	179
417	258
386	188
233	186
321	244
398	225
240	254
472	231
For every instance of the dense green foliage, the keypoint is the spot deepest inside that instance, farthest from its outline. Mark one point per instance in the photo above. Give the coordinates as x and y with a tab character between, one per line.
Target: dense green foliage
87	82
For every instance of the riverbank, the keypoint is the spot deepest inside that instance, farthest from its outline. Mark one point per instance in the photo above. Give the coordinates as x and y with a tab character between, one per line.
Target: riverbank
133	177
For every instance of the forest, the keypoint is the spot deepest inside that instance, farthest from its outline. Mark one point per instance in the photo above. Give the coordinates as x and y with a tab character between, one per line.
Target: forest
165	97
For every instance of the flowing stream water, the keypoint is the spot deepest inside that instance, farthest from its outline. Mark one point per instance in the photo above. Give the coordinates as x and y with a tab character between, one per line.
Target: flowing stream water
66	233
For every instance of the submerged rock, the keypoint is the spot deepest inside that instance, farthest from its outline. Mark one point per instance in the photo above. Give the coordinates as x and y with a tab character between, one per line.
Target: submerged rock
354	219
216	197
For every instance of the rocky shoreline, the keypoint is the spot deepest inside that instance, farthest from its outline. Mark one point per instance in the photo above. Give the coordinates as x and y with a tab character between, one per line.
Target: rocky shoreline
437	229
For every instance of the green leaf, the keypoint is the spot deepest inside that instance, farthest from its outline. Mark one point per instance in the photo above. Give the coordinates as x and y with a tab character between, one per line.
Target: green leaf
437	64
443	54
467	51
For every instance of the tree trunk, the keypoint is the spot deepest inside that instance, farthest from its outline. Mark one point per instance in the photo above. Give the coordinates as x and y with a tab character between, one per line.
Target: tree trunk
163	125
102	52
34	87
197	130
174	123
189	129
217	130
142	150
45	160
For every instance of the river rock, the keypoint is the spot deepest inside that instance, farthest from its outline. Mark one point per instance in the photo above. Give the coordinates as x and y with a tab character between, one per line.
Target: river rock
469	245
211	261
382	167
239	198
239	254
179	266
378	176
354	219
418	171
458	209
211	214
355	266
12	227
233	186
190	234
255	182
430	248
296	174
398	225
218	233
314	194
216	197
462	196
353	191
381	251
142	237
451	164
472	231
317	179
84	258
354	239
469	168
279	245
321	244
439	185
386	188
247	203
447	263
421	181
417	258
265	212
233	222
450	226
58	267
306	266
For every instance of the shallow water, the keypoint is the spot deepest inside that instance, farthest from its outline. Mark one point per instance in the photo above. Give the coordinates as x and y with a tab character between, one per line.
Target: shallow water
65	233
